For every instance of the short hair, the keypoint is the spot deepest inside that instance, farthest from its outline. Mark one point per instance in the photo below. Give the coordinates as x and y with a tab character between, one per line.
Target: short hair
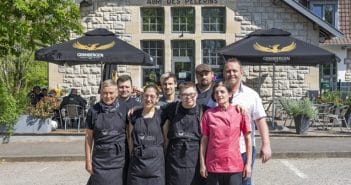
167	76
108	83
186	85
74	91
152	86
233	60
124	78
219	84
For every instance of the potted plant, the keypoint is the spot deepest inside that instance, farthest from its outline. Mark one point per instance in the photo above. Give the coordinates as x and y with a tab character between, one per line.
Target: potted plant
40	116
302	111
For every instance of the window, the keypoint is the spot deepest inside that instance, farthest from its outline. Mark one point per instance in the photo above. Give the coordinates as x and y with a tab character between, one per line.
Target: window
152	19
183	59
183	20
151	75
213	19
210	56
326	10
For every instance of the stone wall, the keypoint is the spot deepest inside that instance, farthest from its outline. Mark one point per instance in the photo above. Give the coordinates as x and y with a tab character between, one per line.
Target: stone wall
252	15
86	78
289	81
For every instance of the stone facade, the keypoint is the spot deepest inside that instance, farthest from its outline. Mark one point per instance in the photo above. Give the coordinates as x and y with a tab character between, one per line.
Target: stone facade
290	81
242	18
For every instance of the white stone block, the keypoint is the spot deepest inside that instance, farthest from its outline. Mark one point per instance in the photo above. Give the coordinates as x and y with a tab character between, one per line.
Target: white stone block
97	20
238	18
69	70
126	17
77	82
107	16
95	70
105	9
85	91
300	76
292	75
118	26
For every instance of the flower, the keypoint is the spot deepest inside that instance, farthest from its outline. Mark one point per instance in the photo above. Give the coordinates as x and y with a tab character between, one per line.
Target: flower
45	107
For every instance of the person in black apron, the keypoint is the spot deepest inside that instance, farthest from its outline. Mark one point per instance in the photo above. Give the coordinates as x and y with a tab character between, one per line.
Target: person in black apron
145	141
183	134
106	128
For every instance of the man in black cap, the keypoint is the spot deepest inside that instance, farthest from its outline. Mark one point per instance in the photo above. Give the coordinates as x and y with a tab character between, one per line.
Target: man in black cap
204	76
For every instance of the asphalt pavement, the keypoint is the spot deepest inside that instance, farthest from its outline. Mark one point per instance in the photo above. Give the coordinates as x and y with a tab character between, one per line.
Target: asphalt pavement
70	147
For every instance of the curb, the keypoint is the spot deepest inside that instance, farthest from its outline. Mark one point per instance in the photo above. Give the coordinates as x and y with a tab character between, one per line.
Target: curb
42	158
282	155
309	155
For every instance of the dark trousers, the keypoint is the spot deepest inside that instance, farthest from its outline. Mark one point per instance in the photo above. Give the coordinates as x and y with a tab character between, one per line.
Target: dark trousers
224	178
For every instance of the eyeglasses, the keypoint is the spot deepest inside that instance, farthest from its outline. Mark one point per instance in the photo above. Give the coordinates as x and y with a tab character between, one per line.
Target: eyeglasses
150	96
188	95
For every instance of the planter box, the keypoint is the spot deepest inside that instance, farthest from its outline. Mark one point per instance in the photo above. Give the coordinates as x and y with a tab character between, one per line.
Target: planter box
29	124
302	124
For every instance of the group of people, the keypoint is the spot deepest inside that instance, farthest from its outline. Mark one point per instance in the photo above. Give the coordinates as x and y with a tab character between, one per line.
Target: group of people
203	136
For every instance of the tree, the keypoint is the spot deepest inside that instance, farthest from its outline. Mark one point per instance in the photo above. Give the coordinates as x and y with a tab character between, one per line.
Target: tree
26	25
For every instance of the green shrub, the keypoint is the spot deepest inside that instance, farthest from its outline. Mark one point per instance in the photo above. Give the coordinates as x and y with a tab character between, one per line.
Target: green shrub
303	107
9	110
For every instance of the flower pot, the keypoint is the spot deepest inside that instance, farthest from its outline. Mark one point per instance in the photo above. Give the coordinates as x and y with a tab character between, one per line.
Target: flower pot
302	123
30	124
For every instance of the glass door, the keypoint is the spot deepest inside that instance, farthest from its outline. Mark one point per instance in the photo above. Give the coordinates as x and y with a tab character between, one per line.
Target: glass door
183	60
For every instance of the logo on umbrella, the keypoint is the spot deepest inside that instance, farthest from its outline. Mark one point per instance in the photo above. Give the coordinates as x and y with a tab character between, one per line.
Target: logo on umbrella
275	48
93	47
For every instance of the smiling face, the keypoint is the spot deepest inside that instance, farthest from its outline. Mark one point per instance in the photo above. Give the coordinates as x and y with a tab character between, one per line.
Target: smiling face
221	95
204	78
168	86
188	97
109	94
232	73
150	97
125	89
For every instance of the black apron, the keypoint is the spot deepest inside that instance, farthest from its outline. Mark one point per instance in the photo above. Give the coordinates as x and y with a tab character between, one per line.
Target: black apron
147	161
182	157
109	152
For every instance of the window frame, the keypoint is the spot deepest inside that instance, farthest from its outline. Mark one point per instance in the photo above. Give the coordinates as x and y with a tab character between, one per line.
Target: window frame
160	65
193	19
313	3
215	23
150	24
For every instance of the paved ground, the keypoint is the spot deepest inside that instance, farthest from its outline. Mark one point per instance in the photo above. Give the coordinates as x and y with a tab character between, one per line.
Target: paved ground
321	171
69	145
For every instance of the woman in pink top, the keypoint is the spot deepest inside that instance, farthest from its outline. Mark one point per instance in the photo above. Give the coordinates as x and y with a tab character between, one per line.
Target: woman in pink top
220	157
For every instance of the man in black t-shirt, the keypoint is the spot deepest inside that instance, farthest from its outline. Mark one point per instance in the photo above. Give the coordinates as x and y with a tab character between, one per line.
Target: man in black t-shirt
125	89
204	86
75	99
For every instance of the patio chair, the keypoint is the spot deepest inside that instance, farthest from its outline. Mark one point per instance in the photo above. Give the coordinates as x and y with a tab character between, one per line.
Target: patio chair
338	117
72	112
322	117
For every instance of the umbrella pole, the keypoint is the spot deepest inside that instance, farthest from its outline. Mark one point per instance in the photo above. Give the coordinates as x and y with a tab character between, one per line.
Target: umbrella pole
273	98
259	81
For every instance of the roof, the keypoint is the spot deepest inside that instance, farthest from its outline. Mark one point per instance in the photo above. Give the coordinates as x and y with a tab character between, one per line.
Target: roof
345	24
325	28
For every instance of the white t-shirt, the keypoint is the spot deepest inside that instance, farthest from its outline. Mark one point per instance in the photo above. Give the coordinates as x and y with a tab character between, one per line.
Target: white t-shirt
249	99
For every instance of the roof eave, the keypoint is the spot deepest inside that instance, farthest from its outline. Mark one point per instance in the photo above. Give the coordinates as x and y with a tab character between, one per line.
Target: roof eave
326	28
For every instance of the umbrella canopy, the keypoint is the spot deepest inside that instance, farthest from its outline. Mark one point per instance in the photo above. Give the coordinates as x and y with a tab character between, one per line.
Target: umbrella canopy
97	46
269	46
276	47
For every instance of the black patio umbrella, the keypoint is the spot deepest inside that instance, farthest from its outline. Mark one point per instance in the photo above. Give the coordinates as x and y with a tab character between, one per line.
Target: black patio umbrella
97	46
276	47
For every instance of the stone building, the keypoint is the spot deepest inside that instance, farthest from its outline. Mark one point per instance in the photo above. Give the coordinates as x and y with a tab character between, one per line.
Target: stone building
181	34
